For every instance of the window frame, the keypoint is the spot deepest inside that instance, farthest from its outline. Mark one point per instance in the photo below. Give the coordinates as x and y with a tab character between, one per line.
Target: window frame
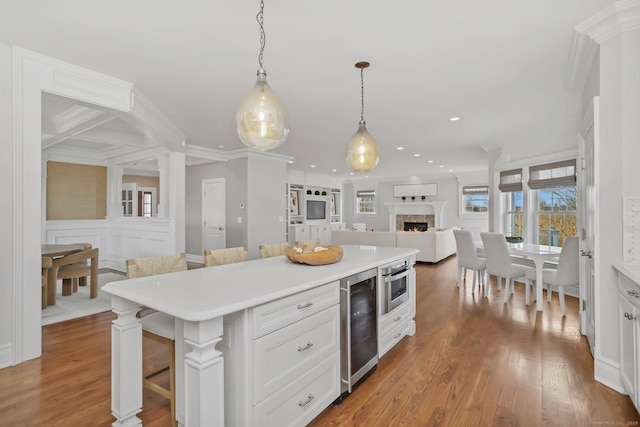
365	192
471	191
546	239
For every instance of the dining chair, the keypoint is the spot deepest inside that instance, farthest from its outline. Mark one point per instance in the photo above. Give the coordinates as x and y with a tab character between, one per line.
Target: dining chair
159	326
70	268
214	257
271	250
498	262
567	273
47	262
467	258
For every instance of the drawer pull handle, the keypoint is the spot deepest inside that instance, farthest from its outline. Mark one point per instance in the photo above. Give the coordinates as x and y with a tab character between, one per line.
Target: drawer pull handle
307	305
306	402
629	316
634	293
397	319
398	335
306	347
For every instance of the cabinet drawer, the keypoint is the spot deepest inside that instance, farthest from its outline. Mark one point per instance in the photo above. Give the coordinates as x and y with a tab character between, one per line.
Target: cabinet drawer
392	337
285	355
302	400
629	290
285	311
390	321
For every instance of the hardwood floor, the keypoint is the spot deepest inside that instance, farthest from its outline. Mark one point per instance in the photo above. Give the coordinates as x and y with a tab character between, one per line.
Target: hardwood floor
473	362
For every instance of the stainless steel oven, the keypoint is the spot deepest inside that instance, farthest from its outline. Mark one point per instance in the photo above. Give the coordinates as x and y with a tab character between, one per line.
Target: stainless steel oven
395	284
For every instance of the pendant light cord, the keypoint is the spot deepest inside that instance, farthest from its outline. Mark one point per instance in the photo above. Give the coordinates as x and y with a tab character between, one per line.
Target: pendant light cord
260	19
362	94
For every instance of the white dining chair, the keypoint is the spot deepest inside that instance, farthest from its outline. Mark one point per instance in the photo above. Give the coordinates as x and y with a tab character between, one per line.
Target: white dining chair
499	263
567	273
467	258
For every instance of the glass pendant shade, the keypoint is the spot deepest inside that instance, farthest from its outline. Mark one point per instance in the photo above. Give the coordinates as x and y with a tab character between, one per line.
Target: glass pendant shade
362	151
261	117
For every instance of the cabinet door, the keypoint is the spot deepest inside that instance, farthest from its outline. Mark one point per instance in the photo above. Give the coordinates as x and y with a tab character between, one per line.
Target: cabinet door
627	370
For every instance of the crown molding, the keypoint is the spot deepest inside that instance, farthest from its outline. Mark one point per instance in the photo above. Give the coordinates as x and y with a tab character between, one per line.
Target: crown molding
612	21
247	152
205	153
147	113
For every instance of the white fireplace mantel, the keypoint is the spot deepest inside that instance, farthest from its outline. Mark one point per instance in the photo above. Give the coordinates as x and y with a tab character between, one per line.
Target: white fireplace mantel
434	208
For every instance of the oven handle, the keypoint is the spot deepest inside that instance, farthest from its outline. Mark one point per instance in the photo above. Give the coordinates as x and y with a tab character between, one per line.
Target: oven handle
388	279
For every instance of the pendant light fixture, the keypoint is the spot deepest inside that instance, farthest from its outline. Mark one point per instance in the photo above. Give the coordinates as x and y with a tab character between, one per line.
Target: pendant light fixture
362	151
262	121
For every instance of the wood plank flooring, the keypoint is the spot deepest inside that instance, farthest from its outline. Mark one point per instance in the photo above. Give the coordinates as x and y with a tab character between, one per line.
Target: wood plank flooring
474	361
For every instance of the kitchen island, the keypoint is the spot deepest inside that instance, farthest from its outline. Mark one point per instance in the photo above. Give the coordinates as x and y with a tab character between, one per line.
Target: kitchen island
200	300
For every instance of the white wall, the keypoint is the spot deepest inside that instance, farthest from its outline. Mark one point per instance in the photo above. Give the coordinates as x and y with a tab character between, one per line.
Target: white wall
448	190
6	209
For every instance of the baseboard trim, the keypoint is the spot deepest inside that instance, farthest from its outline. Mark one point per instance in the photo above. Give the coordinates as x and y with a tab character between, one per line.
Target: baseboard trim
608	373
6	358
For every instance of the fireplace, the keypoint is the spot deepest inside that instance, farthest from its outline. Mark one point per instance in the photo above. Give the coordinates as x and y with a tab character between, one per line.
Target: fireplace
415	226
429	212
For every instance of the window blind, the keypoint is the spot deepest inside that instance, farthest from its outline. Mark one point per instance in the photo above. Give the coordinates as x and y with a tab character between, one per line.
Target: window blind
553	175
510	180
475	190
365	193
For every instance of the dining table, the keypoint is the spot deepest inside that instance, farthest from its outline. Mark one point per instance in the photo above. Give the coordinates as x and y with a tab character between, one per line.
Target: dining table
539	254
57	250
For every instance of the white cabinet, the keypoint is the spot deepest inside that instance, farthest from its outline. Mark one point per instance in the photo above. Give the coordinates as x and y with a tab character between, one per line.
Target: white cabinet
629	329
393	326
284	359
298	233
321	233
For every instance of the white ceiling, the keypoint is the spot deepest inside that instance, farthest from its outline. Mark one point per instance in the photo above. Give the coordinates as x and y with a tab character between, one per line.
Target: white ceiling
500	65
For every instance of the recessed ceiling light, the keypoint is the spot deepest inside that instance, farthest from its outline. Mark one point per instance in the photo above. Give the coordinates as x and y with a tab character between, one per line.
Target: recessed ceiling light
366	176
351	173
313	166
450	170
400	148
290	161
429	161
454	119
416	155
333	170
220	146
441	166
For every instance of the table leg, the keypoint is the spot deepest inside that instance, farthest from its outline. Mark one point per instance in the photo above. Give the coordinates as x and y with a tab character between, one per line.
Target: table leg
203	374
539	285
126	364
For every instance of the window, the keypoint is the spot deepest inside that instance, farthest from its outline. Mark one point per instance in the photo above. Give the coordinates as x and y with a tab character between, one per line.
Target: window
556	201
365	202
556	215
475	199
514	217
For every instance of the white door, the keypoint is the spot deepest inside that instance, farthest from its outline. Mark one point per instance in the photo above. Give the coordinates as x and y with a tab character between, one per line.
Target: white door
213	218
587	203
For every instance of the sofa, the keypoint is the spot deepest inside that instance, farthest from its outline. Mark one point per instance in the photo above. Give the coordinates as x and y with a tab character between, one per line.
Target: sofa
434	245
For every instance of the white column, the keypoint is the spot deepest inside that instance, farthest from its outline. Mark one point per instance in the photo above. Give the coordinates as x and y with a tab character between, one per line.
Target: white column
203	374
114	190
126	364
163	165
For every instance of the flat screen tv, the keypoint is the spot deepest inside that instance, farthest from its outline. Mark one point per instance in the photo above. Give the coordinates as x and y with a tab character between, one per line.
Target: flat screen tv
316	209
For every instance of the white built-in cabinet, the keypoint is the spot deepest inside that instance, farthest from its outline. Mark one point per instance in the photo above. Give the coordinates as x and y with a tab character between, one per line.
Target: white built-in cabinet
300	227
397	324
629	329
282	359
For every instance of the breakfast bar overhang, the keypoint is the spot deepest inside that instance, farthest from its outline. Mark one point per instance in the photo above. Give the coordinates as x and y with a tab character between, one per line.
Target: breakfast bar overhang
198	299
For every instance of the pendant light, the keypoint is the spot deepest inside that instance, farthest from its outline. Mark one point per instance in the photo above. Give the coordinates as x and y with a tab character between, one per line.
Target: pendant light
261	117
362	151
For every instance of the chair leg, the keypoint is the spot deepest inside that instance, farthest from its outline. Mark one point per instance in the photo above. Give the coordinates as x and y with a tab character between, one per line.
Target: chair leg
473	287
67	287
527	290
563	308
459	276
507	288
499	283
172	381
549	293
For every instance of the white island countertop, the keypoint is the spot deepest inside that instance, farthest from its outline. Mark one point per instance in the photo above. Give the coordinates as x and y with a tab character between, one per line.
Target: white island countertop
206	293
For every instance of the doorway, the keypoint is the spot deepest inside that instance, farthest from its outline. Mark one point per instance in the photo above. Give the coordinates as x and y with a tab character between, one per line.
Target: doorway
213	214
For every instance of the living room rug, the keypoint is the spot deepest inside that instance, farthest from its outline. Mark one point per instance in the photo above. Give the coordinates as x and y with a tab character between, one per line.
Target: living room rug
79	304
